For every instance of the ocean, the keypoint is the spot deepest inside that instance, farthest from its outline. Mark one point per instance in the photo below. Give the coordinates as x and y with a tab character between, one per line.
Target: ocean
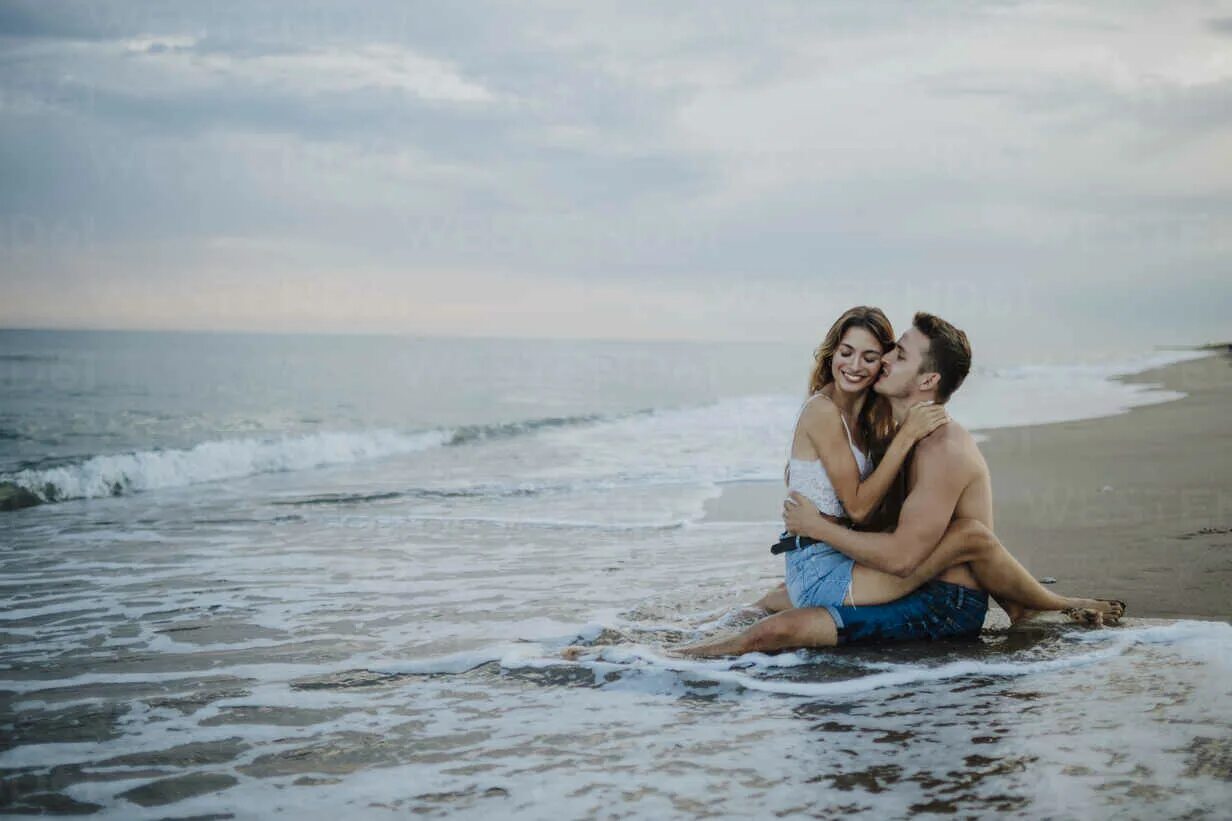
322	574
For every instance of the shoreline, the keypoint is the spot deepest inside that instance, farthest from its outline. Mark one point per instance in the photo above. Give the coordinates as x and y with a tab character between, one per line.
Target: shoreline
1136	506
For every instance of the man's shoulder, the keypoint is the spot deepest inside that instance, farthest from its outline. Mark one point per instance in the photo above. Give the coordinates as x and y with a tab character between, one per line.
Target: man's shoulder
951	443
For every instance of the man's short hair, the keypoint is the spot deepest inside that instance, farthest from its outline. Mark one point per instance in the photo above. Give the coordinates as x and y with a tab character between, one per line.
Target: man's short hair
949	353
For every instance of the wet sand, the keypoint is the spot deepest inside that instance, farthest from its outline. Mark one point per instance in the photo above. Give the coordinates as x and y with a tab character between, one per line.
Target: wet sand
1136	506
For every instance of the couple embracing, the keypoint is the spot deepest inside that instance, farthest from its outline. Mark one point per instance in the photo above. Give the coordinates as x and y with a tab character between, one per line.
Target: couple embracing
875	426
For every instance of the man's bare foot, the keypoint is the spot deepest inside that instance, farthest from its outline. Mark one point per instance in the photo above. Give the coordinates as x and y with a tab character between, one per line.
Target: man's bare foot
1095	612
574	652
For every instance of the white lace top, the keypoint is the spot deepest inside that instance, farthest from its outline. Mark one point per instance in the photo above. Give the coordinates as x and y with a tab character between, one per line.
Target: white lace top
808	477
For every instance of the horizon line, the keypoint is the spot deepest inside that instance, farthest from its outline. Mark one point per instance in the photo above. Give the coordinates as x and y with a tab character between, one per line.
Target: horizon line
387	333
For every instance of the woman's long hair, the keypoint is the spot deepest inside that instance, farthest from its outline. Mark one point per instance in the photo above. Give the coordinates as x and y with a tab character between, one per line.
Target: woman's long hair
875	422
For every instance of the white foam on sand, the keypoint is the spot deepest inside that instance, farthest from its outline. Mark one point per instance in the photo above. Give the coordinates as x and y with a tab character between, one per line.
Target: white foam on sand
754	671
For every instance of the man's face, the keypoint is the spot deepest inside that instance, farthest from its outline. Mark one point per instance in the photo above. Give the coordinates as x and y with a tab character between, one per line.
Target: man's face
901	366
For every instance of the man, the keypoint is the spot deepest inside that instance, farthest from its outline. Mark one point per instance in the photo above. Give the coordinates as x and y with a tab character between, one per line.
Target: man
949	505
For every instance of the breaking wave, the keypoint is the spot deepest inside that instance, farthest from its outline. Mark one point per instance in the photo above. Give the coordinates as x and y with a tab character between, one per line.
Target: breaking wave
124	473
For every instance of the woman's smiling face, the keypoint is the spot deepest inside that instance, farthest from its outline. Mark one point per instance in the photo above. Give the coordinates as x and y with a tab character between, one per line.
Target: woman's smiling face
857	361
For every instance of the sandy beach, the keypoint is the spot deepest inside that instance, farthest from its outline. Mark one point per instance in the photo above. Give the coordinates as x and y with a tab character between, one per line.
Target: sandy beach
1136	506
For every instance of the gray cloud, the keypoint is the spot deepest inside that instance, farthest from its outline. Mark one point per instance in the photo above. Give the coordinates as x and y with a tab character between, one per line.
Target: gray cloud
1222	25
1010	154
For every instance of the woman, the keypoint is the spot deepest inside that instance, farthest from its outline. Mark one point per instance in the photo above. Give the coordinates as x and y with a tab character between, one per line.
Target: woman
840	426
830	459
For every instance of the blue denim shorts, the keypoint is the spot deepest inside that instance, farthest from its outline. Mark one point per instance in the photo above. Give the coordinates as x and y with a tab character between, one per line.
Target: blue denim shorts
935	611
817	576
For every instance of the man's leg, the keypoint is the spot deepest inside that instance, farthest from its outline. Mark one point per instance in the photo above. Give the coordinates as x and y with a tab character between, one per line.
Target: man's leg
798	627
969	543
961	574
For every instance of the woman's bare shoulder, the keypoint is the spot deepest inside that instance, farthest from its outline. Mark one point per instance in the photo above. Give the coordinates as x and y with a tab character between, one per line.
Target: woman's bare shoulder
819	413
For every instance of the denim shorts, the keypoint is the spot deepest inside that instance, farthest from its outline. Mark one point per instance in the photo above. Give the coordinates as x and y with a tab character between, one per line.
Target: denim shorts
817	576
935	611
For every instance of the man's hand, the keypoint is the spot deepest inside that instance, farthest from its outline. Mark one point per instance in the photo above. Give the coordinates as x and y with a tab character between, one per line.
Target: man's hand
803	518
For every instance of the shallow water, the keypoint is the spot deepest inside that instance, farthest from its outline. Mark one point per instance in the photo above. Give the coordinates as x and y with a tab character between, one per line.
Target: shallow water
379	632
230	657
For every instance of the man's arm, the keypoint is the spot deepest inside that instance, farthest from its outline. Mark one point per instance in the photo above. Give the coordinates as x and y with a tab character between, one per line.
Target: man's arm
926	513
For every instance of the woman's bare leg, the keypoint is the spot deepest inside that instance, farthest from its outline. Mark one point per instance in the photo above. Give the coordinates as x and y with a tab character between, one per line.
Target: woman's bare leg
775	601
968	541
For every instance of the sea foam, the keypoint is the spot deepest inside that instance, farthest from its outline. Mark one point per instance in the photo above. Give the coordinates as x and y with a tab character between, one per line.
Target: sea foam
759	672
118	474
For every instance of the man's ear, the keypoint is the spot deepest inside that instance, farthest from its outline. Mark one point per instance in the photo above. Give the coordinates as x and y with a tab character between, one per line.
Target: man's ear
928	381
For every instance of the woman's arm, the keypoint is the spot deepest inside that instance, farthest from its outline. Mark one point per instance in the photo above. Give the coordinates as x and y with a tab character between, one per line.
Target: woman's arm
824	427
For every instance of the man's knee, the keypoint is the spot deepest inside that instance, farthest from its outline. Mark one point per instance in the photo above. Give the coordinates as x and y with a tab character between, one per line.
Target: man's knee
771	631
806	627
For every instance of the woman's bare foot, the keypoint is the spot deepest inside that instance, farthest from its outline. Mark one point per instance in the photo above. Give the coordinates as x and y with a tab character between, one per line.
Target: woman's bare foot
1095	612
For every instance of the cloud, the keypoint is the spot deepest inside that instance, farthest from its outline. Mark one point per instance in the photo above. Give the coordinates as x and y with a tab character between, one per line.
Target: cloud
1220	25
940	154
152	44
368	66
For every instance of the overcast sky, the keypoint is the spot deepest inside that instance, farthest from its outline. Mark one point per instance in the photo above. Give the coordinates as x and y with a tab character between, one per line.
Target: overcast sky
1034	171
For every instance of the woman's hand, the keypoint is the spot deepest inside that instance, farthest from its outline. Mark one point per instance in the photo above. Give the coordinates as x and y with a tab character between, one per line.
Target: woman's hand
802	517
923	419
